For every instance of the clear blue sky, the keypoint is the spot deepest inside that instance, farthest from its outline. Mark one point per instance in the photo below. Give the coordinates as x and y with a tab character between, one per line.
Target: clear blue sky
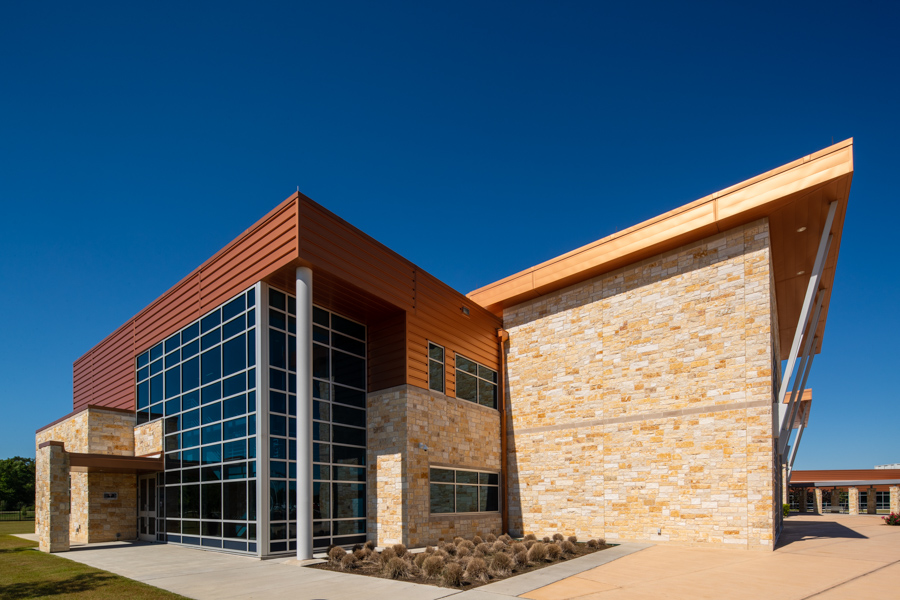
474	138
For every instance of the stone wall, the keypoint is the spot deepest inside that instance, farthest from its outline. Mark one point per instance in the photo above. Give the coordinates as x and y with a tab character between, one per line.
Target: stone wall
148	438
92	431
457	433
111	517
640	401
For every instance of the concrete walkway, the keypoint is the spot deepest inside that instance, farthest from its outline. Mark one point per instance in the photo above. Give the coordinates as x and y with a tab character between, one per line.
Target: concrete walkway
823	557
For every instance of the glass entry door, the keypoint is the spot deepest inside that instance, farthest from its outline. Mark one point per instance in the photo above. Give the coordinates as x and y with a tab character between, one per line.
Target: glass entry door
147	507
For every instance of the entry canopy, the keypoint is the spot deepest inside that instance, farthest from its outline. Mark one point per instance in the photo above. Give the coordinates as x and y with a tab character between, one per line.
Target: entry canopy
794	197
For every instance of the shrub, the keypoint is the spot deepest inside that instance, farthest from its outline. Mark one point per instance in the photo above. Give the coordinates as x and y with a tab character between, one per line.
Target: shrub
449	549
464	562
892	519
452	575
433	566
477	570
785	509
522	558
443	554
498	546
400	549
335	554
573	539
419	560
429	549
349	561
355	548
462	552
593	544
477	540
360	554
537	552
518	547
530	543
370	544
530	536
484	548
490	538
506	539
567	547
396	568
546	540
554	551
467	544
457	540
501	563
387	554
558	537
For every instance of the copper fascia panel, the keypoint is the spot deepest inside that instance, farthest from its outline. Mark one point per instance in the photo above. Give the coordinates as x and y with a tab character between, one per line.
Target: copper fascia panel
814	180
107	463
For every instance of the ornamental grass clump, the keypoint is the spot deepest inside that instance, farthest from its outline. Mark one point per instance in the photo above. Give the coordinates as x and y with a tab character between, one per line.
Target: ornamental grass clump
558	537
521	558
387	554
501	564
360	554
506	538
452	575
477	570
498	546
400	549
370	545
433	566
530	536
518	547
477	540
593	544
484	548
573	539
567	547
490	538
537	553
335	555
467	543
396	568
554	551
449	549
420	559
349	562
463	551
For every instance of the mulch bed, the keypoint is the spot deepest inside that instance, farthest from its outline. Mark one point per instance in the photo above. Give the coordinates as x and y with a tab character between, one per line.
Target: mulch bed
375	570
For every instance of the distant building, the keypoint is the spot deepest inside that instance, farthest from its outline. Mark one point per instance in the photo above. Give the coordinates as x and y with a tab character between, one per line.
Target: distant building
307	386
890	466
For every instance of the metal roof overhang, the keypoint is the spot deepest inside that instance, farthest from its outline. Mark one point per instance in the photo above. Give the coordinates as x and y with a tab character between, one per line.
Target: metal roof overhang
106	463
848	483
795	199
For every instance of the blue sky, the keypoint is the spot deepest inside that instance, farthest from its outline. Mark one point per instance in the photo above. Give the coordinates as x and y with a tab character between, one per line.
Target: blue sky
474	138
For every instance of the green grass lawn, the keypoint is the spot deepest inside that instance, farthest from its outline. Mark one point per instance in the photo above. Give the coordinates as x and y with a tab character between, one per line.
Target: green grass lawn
27	573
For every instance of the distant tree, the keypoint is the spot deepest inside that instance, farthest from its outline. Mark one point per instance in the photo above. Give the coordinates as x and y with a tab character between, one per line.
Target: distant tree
17	481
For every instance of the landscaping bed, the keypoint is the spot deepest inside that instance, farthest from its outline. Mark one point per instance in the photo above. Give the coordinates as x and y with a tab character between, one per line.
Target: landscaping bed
462	563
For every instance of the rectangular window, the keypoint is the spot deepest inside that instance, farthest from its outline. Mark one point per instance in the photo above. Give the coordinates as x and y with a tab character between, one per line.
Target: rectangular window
475	382
435	367
464	491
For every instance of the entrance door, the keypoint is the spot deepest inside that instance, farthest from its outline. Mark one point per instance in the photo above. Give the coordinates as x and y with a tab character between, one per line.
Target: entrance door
147	507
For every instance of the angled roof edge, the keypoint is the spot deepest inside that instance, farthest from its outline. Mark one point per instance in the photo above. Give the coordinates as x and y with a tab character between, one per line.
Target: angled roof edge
728	208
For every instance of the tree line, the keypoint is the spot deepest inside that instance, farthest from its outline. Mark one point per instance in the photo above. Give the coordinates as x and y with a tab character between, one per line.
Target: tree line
16	483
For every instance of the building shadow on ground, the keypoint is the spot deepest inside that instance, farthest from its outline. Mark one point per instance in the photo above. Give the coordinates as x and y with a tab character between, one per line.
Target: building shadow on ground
85	582
821	528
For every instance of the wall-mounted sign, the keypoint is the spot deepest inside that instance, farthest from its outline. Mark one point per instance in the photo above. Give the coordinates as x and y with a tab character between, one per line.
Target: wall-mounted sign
110	495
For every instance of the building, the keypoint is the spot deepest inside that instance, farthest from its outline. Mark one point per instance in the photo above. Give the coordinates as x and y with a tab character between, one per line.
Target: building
852	491
308	386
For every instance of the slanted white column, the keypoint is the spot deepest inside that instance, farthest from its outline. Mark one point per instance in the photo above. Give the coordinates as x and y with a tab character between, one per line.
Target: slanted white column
304	413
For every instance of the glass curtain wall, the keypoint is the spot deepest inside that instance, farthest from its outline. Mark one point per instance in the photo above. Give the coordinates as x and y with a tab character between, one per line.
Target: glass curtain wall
202	382
339	427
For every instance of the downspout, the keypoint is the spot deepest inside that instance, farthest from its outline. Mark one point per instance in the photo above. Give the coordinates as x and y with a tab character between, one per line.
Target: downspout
503	335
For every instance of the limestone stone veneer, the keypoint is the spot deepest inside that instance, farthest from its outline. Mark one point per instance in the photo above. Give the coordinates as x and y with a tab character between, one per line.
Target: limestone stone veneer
640	401
402	422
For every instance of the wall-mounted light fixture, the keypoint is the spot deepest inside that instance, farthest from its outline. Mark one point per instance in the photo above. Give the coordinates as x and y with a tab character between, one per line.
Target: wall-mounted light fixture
465	310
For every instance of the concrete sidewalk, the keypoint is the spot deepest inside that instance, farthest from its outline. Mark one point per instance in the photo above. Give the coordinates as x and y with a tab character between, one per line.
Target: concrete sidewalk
824	557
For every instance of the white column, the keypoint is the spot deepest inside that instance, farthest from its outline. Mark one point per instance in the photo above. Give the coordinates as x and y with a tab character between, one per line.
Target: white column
304	413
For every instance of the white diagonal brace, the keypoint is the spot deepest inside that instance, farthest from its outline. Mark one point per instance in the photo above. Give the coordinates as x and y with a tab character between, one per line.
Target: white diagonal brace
796	410
790	462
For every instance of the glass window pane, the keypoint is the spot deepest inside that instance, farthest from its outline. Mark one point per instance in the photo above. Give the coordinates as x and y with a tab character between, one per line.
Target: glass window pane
251	348
190	332
345	455
278	448
277	319
277	379
321	335
234	385
234	407
436	352
466	387
321	453
156	367
278	402
173	502
278	349
349	500
234	451
348	416
436	376
156	411
441	498
321	432
349	474
212	473
234	500
349	527
212	433
172	359
320	362
210	321
236	471
321	410
348	327
277	299
212	413
489	478
211	339
173	406
234	530
464	364
487	393
190	498
488	374
211	365
348	370
347	396
211	501
190	350
191	527
143	374
442	475
234	356
233	308
278	469
190	438
143	395
143	360
156	389
173	342
349	435
488	499
277	425
190	400
234	429
212	454
156	351
466	498
173	382
350	345
466	477
191	374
